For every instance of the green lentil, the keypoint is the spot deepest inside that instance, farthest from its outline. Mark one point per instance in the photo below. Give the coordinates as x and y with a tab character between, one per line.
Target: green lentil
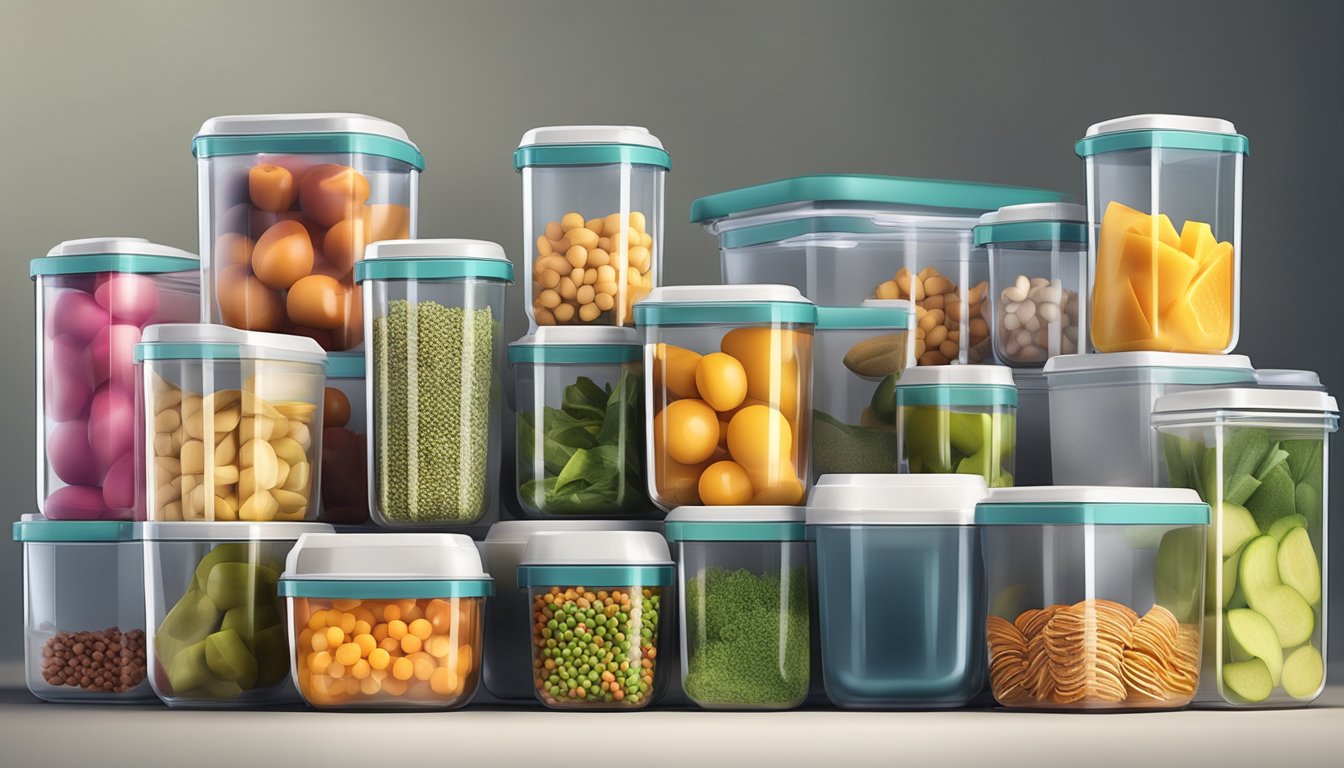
586	668
433	369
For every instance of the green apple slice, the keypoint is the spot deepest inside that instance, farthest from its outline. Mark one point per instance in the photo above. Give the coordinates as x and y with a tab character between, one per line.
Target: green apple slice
1286	524
1251	636
1236	526
1303	673
1248	681
1298	567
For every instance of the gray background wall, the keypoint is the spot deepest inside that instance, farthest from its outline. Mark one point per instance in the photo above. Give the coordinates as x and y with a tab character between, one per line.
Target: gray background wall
100	101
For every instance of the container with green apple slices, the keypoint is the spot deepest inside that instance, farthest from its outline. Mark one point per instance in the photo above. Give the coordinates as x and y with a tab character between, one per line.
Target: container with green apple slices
1260	458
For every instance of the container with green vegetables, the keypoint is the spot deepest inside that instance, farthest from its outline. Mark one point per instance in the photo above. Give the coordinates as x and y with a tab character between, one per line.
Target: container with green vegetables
434	318
580	441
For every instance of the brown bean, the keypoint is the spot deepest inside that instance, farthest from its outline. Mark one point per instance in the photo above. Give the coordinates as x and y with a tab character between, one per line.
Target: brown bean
949	349
933	357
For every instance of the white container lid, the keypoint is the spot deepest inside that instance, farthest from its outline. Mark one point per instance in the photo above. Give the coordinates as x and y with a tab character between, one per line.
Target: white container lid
202	341
737	523
597	548
1247	399
384	556
1091	494
136	246
724	294
552	135
1288	378
310	122
1157	122
214	532
932	375
444	248
1036	212
737	514
895	499
579	335
1062	364
519	531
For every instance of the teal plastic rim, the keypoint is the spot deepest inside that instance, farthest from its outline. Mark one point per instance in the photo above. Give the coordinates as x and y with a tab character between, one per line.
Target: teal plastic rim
596	354
1066	513
746	237
956	395
726	313
1195	140
345	365
74	531
203	147
129	263
862	318
590	154
861	188
736	531
596	575
1032	231
211	351
433	268
372	589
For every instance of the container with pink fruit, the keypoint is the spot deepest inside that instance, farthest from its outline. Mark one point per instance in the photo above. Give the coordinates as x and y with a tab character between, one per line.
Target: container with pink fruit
94	297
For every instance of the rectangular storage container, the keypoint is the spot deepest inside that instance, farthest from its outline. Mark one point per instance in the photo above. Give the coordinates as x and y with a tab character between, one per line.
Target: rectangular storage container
287	204
1033	428
94	298
1154	287
345	466
958	419
1100	406
84	610
592	221
1094	596
1261	459
900	589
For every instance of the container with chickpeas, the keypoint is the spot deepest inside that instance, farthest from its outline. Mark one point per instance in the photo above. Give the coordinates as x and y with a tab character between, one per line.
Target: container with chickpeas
592	221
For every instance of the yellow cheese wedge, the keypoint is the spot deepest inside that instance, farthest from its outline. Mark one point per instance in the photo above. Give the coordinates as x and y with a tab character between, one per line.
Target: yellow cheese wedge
1116	222
1166	231
1136	264
1175	270
1210	301
1120	320
1197	239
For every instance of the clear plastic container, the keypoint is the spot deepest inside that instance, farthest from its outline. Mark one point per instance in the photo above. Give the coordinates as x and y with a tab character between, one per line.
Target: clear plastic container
958	419
287	204
743	580
1261	459
860	353
1037	280
1111	396
84	610
436	328
216	625
728	392
843	238
580	420
345	466
1164	216
94	298
385	621
230	424
592	201
1094	596
900	589
1033	428
598	593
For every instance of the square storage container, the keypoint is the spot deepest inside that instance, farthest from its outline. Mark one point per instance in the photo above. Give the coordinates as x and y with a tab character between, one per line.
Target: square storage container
580	419
1261	459
1094	596
592	221
345	466
94	298
385	620
742	577
958	419
1156	287
287	205
728	394
231	423
860	353
1100	406
1037	280
216	624
1033	428
436	324
84	610
597	617
900	589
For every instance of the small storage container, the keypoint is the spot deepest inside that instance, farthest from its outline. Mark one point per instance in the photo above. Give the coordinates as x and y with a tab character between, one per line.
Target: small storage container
860	353
1033	428
580	417
728	392
592	221
436	323
287	204
1164	216
1261	459
1037	280
217	634
597	617
1094	596
231	426
958	419
1100	406
743	575
385	621
843	238
94	298
345	467
84	610
900	589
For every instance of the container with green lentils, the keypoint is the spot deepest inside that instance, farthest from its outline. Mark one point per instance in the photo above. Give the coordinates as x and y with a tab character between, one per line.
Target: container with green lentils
596	601
434	324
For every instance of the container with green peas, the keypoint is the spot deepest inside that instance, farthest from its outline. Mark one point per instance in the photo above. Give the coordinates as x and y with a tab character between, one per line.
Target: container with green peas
596	600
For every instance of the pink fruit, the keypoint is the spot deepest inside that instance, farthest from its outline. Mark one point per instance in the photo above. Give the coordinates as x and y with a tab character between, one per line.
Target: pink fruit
70	455
67	380
111	425
76	502
119	484
113	351
77	314
128	298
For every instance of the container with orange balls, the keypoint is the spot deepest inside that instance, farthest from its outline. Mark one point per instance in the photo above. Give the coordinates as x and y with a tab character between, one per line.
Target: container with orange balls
728	371
385	621
345	474
287	204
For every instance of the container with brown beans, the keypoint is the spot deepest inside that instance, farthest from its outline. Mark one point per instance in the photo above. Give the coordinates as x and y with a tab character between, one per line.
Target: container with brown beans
951	311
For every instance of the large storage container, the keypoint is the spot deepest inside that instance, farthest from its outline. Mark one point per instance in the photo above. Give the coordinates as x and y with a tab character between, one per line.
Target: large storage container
1033	460
958	419
345	467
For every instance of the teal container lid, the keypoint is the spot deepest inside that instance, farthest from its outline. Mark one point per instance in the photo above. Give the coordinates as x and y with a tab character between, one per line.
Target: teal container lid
724	305
875	190
578	344
1091	505
319	133
345	365
596	575
603	558
968	386
1200	134
590	145
36	529
386	589
203	341
874	314
446	259
1034	222
764	523
130	255
779	231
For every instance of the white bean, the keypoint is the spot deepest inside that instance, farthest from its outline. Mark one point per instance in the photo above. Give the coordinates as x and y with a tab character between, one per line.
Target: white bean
1049	312
1010	322
1026	311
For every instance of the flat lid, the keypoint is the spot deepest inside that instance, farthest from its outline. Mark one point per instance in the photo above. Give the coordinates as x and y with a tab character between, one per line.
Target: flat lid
1157	122
212	531
577	344
1090	494
732	523
579	335
895	499
519	531
444	248
553	135
952	375
1115	360
1247	399
38	529
724	294
891	314
733	514
1091	505
1036	212
113	254
448	258
1187	132
724	305
345	365
204	341
384	557
302	122
596	548
1288	378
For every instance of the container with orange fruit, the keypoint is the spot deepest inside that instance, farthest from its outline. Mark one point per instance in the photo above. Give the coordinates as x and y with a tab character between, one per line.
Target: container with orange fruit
728	394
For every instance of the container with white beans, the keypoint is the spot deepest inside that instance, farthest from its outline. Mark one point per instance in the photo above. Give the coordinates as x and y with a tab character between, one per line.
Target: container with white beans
1037	274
